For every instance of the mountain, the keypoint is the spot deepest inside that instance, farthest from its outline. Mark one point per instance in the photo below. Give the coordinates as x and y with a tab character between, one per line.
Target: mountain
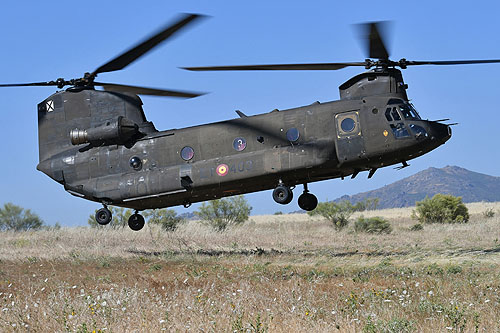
471	186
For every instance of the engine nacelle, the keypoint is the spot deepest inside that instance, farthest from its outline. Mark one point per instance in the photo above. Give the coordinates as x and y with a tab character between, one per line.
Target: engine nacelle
117	132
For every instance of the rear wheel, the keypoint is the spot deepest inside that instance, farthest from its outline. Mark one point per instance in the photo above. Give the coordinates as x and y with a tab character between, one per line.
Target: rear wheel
136	222
282	194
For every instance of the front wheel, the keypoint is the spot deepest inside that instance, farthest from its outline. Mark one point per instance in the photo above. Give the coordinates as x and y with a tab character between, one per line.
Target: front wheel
308	201
136	222
103	216
282	195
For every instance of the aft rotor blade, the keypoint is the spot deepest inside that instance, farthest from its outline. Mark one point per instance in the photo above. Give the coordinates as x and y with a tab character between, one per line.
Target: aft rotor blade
279	67
32	84
139	50
450	62
146	91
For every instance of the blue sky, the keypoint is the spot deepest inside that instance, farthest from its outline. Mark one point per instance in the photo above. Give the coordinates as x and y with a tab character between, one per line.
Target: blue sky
46	40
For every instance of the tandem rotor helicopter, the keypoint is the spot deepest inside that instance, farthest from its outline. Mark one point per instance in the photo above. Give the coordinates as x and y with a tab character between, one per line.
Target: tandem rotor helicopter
99	145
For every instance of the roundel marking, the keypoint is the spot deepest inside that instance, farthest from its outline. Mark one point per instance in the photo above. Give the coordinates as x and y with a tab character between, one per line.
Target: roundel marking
222	169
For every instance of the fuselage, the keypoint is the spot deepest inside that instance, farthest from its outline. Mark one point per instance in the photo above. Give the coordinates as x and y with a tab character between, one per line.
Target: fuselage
297	146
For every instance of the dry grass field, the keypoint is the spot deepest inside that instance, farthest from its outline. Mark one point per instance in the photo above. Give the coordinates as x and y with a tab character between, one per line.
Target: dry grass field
279	273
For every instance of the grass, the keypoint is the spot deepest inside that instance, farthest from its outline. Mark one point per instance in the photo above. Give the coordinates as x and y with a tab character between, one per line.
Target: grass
280	273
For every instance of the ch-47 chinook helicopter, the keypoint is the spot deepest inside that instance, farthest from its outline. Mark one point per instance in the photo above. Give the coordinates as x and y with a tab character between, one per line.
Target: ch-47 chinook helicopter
99	145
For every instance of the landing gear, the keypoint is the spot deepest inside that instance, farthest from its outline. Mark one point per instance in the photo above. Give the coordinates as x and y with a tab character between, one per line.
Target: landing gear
136	221
282	194
103	216
307	201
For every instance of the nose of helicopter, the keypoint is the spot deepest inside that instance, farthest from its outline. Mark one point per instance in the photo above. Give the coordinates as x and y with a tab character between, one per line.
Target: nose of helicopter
440	132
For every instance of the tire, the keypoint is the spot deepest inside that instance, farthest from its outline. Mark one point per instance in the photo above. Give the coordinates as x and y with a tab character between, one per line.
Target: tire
282	195
103	216
308	201
136	222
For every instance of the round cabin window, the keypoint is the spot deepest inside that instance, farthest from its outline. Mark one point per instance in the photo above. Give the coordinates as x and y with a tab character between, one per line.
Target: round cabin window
135	163
239	144
187	153
348	125
292	134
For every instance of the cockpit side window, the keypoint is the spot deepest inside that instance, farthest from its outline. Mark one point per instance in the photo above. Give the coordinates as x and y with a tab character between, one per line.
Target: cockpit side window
395	114
388	114
399	130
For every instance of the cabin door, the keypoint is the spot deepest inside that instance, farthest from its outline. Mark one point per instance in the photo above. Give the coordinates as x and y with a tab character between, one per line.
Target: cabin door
350	142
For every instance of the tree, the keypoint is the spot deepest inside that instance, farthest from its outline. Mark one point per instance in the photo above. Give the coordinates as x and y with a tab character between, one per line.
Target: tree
337	213
16	218
221	213
366	204
119	220
166	218
442	208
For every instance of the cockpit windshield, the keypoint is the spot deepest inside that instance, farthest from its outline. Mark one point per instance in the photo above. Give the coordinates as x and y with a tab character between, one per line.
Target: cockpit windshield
409	111
406	109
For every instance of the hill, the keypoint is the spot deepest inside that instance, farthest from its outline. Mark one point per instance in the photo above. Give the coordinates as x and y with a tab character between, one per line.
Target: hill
471	186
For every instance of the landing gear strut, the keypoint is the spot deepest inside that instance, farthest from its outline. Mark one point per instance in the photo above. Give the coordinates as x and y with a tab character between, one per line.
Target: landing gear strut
307	201
103	216
136	221
282	194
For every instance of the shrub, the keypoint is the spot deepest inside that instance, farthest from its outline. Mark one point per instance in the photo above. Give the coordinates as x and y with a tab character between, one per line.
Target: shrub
337	213
372	225
442	208
119	220
16	218
417	227
166	218
489	213
221	213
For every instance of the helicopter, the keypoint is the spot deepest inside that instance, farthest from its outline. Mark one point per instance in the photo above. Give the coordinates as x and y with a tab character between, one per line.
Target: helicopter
99	145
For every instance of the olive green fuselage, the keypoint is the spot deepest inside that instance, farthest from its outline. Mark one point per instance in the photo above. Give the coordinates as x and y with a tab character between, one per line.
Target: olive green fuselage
296	146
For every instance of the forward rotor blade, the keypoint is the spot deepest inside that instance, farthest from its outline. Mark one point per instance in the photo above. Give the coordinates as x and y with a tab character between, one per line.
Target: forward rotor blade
279	67
131	55
450	62
373	37
146	91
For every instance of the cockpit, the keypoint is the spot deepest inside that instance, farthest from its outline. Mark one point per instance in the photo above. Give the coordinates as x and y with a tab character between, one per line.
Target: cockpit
398	110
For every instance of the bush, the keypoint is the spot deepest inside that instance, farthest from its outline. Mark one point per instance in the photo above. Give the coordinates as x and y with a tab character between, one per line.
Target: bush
417	227
16	218
442	208
489	213
337	213
221	213
119	220
166	218
372	225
